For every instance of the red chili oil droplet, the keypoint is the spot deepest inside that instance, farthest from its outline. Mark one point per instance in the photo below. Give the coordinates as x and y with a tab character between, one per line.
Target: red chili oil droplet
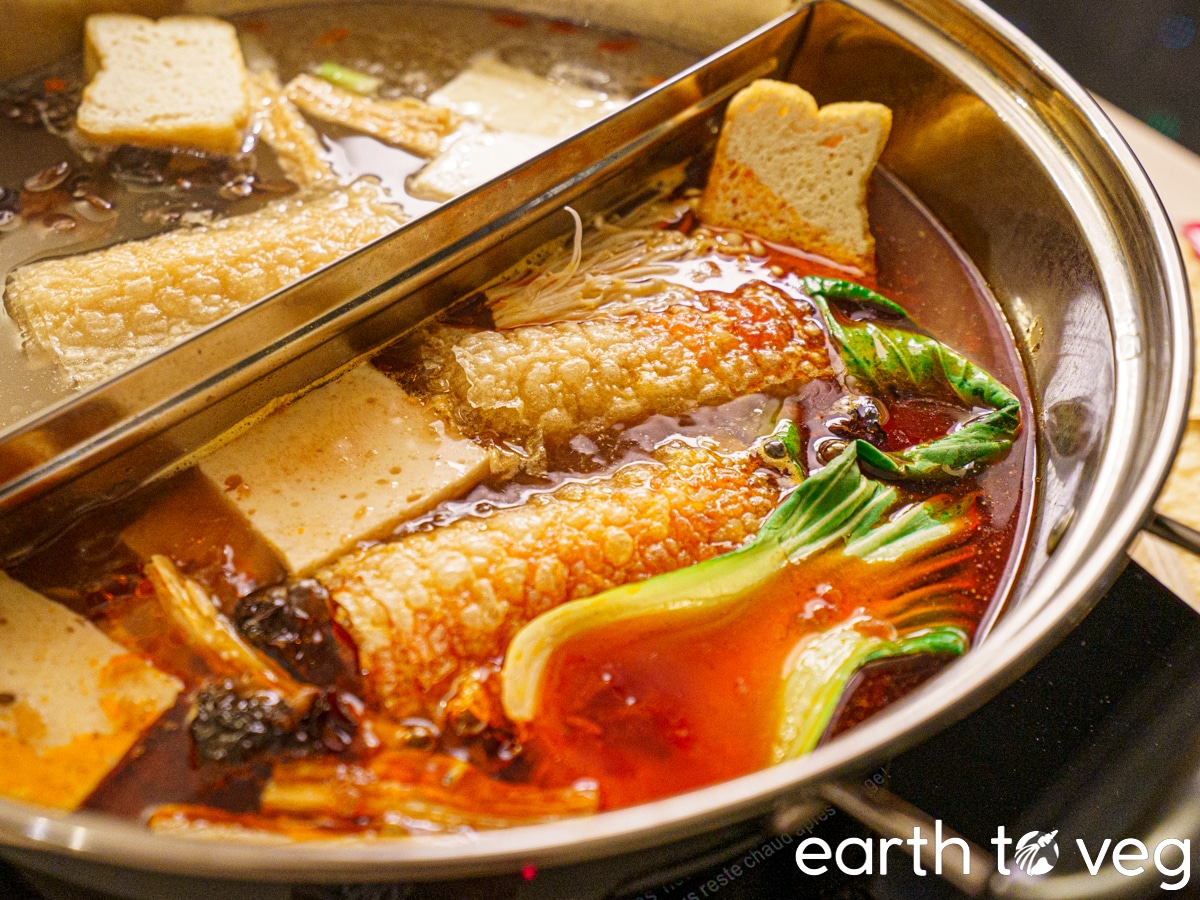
510	20
255	26
333	36
559	27
622	45
529	872
54	85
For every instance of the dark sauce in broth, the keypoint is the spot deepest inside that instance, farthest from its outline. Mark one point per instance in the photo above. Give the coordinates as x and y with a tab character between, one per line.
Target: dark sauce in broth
646	710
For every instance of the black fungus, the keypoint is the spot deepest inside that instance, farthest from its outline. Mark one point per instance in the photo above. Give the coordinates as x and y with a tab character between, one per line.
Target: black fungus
283	615
292	624
233	724
328	727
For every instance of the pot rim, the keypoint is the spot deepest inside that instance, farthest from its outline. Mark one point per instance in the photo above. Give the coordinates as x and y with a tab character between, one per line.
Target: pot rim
1089	556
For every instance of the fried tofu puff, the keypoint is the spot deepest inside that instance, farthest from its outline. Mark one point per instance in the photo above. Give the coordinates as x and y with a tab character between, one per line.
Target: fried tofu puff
433	607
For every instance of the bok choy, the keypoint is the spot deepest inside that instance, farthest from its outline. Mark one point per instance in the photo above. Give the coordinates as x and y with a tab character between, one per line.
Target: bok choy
838	504
891	361
821	667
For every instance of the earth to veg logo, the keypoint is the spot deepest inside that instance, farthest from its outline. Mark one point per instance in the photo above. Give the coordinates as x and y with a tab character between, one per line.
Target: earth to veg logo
1036	853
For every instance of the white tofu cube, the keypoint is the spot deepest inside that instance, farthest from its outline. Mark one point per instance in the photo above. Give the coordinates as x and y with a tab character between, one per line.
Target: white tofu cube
72	701
506	98
344	463
472	160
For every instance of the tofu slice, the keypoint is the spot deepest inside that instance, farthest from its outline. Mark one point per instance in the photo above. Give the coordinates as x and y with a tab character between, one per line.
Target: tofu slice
506	98
177	82
470	161
72	702
344	463
790	172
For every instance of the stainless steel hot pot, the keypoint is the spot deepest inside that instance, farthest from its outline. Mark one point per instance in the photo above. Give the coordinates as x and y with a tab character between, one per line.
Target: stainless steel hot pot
1012	156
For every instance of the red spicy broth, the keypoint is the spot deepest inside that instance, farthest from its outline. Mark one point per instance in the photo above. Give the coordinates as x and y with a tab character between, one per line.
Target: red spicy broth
927	273
667	703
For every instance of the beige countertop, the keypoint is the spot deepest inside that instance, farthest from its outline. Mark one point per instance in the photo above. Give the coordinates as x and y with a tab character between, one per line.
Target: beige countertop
1175	172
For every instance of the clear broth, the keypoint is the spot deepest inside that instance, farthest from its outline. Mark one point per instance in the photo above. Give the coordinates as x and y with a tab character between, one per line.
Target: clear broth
414	48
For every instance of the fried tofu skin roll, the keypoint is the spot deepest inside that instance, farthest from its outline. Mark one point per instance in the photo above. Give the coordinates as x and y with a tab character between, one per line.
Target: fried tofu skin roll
98	314
434	606
281	126
408	123
540	385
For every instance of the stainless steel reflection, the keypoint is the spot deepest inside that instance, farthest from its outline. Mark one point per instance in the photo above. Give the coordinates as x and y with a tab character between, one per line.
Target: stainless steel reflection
1037	185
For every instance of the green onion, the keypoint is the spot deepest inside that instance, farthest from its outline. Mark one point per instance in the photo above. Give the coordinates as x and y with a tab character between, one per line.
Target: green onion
349	79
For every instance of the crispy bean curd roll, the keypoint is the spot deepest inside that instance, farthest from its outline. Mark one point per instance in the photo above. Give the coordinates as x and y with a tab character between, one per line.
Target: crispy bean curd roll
541	385
281	126
434	606
408	123
97	314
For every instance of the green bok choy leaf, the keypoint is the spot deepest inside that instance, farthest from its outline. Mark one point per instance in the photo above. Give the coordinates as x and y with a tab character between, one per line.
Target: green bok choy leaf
837	504
821	667
886	360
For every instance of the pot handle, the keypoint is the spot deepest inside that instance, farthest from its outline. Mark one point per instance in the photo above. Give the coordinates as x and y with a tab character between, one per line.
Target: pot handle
886	814
1176	532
